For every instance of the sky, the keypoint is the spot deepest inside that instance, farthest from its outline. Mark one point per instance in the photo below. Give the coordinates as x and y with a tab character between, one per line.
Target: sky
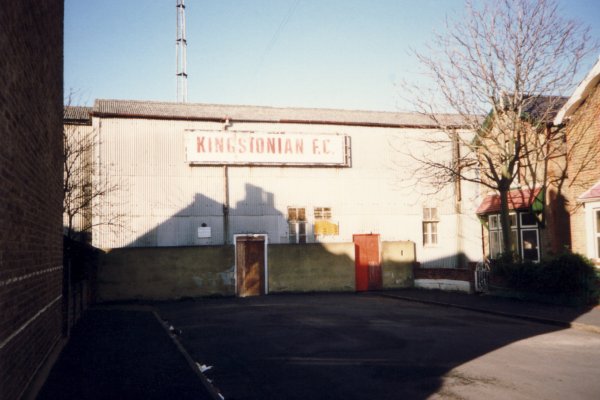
346	54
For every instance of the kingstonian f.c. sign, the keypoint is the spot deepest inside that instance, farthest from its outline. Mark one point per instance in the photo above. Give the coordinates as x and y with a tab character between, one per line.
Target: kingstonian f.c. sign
266	148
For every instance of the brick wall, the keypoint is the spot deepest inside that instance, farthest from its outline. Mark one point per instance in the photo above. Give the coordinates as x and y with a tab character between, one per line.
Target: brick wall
455	274
31	67
583	138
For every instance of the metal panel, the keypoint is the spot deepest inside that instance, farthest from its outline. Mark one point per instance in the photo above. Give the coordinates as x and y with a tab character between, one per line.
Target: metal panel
164	200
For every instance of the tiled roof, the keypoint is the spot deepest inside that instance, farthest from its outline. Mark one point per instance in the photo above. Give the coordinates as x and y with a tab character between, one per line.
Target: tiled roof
77	114
165	110
543	108
591	194
517	200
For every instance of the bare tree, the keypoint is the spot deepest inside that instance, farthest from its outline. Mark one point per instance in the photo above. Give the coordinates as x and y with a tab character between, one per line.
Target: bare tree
81	191
502	69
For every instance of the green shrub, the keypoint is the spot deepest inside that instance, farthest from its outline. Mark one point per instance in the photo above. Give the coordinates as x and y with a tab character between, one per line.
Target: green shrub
568	274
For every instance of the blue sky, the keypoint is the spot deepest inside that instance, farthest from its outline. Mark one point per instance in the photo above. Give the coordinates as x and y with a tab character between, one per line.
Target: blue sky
287	53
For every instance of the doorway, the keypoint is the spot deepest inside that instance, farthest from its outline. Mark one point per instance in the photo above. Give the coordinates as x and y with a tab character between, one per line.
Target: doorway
367	262
250	265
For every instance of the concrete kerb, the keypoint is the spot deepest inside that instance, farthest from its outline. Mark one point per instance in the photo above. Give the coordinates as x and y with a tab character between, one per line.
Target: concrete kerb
212	390
547	321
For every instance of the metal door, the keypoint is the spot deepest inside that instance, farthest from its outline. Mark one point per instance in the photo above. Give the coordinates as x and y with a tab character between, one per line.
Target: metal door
250	265
367	262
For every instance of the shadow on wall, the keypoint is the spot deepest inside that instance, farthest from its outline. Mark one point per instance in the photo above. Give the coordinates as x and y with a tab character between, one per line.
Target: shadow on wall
173	267
559	221
175	259
255	213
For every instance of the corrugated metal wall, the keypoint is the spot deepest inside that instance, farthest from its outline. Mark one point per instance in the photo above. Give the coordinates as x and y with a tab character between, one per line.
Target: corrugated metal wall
162	200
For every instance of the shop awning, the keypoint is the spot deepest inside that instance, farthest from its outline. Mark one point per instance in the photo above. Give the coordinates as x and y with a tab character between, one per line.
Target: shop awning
520	199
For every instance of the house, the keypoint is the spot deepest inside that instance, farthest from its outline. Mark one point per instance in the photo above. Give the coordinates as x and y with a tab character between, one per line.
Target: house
535	200
580	117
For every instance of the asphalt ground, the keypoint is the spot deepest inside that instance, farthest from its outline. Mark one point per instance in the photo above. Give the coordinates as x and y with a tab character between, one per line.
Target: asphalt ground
122	354
412	344
352	346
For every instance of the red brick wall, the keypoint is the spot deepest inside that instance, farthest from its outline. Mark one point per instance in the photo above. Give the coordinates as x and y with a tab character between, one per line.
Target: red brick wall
31	70
583	138
457	274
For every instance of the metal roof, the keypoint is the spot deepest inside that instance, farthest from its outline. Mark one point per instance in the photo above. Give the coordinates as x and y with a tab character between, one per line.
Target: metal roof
216	112
77	114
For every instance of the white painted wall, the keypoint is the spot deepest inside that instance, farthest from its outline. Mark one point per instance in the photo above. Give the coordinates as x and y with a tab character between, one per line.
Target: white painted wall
164	200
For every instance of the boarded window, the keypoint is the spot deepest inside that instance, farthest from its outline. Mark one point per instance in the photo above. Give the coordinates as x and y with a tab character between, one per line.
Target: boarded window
324	226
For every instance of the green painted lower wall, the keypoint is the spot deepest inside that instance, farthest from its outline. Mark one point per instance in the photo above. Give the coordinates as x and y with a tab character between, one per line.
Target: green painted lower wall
162	273
311	267
167	273
397	259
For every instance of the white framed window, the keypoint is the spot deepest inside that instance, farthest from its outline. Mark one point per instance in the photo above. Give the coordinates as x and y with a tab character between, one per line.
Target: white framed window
430	226
530	245
296	225
496	242
524	235
597	232
528	219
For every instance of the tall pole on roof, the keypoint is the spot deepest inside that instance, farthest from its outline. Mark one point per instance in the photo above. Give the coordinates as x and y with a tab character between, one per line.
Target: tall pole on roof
181	46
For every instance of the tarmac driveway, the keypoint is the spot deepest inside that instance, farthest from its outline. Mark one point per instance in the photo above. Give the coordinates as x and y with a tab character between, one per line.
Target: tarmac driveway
352	346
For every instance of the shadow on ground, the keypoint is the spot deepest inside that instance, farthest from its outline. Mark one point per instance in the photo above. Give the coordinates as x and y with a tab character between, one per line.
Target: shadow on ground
121	354
337	346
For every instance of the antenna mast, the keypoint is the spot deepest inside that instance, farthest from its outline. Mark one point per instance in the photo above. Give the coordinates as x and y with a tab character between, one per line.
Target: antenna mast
181	46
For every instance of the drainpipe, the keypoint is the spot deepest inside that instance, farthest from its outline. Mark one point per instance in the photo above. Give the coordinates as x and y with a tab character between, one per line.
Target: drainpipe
225	204
458	200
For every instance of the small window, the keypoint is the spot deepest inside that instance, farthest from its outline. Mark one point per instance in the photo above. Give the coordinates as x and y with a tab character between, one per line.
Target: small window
296	225
322	213
430	226
430	214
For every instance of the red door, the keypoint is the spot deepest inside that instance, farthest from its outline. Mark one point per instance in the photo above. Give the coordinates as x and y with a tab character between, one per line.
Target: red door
250	265
367	262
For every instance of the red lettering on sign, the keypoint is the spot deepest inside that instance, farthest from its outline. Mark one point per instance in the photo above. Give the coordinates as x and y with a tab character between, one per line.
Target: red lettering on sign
242	145
200	144
288	146
260	145
219	145
299	146
325	142
315	146
230	147
271	145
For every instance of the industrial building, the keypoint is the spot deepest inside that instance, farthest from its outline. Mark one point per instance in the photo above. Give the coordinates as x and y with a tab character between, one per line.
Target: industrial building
196	175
